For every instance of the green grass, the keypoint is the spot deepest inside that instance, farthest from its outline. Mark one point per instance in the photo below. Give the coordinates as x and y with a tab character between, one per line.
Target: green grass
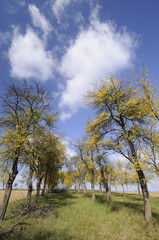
66	216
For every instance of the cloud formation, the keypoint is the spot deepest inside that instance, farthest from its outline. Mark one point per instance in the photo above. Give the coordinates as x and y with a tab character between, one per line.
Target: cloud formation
29	58
58	8
39	20
69	151
98	50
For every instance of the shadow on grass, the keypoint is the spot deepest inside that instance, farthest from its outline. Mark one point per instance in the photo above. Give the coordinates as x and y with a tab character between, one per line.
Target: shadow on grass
47	204
130	201
57	198
45	235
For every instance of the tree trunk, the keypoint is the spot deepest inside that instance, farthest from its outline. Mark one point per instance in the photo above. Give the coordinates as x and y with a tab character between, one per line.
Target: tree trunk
8	189
108	190
45	180
138	188
145	193
143	183
75	185
93	189
84	185
78	186
39	180
106	186
30	186
100	187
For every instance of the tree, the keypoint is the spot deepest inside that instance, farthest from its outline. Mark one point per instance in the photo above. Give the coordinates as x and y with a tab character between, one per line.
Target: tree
46	158
151	95
87	157
121	116
150	150
101	161
4	170
23	108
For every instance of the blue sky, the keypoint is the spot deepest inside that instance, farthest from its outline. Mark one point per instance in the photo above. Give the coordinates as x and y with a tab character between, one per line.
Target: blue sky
70	44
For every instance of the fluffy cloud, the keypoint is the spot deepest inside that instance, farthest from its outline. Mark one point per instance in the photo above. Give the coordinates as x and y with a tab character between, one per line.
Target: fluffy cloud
39	19
98	50
29	58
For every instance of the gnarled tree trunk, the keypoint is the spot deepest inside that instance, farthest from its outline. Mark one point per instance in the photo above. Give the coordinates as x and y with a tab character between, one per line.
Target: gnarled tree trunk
30	186
44	187
105	183
39	180
145	193
143	183
8	189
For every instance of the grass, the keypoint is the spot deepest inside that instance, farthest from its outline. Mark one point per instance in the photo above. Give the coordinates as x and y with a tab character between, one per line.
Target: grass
69	216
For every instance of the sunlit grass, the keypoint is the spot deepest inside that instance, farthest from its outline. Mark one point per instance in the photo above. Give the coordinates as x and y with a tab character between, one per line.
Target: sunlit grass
74	216
15	195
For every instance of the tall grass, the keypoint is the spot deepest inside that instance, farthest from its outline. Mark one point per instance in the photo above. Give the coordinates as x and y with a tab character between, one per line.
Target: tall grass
73	216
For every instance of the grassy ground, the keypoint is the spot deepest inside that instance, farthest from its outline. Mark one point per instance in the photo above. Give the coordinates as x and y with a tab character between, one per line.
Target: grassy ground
66	216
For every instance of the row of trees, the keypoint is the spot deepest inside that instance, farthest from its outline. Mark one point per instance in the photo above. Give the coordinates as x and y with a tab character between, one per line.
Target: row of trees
127	115
27	138
126	123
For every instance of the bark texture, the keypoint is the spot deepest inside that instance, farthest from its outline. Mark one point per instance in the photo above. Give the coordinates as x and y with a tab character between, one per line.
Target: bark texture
143	183
8	189
44	187
39	180
105	183
30	187
84	185
93	189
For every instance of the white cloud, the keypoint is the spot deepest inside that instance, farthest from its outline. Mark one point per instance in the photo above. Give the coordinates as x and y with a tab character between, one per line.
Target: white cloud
29	58
98	50
59	7
79	17
69	151
39	20
65	115
5	37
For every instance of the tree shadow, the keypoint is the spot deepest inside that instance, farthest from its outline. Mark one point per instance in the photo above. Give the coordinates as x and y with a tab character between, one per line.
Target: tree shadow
44	235
132	201
47	205
58	198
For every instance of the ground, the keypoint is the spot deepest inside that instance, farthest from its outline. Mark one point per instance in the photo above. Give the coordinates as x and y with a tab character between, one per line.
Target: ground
72	216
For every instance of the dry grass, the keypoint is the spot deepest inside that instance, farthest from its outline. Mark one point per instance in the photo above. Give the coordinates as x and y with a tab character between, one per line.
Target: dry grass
152	194
15	195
